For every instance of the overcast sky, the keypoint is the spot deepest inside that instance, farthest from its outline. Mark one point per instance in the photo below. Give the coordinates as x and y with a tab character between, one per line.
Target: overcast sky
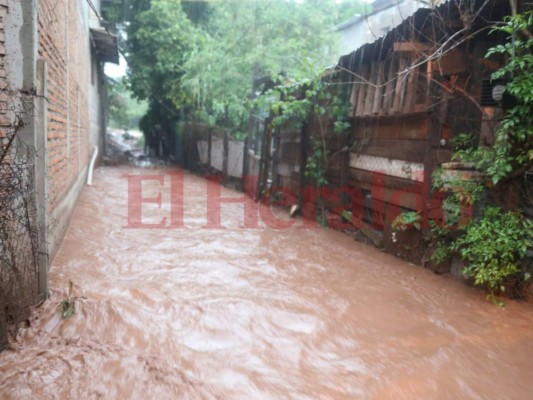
116	71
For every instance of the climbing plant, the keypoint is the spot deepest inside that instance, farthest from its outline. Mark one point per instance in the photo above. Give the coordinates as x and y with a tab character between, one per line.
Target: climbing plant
512	152
494	244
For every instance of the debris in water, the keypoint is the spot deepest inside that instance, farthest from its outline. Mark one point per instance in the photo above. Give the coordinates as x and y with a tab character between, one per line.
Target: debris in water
68	308
294	208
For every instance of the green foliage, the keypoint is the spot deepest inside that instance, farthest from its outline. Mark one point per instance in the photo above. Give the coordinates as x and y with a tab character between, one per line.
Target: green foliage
462	191
291	104
113	12
406	220
68	306
451	208
441	252
141	141
159	39
493	247
124	111
513	147
316	165
295	103
284	40
202	58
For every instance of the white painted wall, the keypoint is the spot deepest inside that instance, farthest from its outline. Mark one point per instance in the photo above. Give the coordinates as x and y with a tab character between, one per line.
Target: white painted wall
95	104
387	166
235	158
235	155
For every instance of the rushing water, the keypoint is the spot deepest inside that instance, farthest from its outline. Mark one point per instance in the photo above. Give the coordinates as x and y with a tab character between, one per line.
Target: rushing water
295	313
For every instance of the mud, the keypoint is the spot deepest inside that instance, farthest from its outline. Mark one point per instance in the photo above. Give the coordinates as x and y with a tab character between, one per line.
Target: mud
295	313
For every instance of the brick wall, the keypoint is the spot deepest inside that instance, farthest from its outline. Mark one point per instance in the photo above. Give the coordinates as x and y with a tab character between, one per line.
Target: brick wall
64	44
45	164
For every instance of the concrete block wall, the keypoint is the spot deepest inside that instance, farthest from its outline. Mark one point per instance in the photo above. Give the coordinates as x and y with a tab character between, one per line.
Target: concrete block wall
5	122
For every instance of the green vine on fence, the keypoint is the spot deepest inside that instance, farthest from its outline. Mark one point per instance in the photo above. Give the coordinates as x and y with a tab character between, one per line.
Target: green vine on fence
512	152
493	245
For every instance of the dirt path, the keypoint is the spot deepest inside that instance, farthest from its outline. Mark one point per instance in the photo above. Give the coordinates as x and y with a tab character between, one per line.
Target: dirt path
294	313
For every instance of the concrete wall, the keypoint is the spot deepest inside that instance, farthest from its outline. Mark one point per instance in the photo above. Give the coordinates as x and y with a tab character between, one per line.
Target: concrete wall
49	71
5	121
21	172
96	90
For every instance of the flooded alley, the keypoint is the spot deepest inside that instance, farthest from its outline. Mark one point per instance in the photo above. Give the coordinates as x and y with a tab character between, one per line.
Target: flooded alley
196	312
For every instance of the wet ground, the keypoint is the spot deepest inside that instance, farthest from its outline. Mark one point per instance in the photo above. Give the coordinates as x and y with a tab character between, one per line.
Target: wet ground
252	313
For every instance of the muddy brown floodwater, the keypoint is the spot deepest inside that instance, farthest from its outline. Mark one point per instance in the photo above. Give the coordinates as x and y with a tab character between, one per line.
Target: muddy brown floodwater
204	313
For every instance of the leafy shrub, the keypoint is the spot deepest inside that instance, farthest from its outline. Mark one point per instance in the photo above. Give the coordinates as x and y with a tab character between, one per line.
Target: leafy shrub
406	220
493	248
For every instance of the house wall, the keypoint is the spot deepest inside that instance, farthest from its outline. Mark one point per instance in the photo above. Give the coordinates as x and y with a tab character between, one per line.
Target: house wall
4	106
50	117
4	124
404	110
21	177
97	91
73	107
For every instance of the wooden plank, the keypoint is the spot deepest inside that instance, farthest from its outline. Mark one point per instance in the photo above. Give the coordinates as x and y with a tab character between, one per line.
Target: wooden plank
354	95
452	62
413	128
363	87
391	83
365	180
369	99
438	116
378	93
421	94
415	47
400	85
382	197
304	148
289	150
408	104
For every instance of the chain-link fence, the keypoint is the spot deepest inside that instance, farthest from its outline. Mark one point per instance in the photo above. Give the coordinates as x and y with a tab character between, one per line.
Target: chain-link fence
18	234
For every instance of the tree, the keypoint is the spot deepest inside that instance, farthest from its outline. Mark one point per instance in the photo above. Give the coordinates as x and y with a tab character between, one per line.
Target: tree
159	38
206	65
124	111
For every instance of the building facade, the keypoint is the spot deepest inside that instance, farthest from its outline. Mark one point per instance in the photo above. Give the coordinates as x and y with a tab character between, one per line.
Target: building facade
52	117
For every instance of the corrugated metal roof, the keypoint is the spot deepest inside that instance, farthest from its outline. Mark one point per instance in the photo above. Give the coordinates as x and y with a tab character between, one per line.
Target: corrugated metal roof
422	17
106	45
